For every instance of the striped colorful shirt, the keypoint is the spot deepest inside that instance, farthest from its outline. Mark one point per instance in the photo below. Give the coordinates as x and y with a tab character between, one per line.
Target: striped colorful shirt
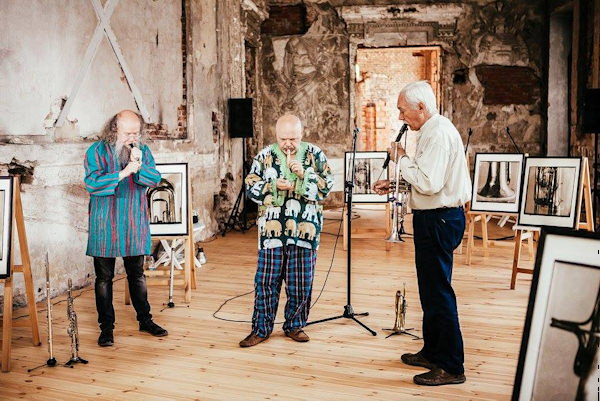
119	223
289	217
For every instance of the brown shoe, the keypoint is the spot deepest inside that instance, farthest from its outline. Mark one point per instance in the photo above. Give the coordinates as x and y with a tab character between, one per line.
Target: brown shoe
417	360
252	340
438	377
298	335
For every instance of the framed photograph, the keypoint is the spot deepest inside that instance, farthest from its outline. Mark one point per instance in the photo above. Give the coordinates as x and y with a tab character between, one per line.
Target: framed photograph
497	182
550	191
6	200
368	168
168	202
559	350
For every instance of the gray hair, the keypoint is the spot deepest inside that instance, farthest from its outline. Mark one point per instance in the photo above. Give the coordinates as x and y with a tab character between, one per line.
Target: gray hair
109	131
420	92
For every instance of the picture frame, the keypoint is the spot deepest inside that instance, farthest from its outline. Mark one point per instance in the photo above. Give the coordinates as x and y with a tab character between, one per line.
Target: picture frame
168	203
497	182
550	193
6	224
368	168
559	349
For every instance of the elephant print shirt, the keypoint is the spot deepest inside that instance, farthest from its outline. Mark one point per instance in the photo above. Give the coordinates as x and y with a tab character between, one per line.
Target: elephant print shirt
289	217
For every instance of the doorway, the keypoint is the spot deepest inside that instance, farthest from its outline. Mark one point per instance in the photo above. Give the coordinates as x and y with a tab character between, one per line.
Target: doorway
380	74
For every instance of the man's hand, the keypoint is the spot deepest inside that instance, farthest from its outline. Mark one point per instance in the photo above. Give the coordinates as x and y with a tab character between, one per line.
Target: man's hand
382	187
130	168
135	155
296	167
284	185
392	151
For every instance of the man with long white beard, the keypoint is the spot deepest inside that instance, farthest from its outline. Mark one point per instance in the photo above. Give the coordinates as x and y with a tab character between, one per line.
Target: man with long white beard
118	170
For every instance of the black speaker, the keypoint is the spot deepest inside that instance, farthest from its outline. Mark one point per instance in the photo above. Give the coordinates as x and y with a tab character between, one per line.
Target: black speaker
591	111
240	118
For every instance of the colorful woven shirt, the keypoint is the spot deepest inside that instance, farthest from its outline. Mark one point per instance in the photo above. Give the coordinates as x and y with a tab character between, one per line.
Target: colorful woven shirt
289	217
119	224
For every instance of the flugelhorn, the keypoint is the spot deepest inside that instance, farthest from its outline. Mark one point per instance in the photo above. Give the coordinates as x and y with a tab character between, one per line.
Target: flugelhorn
399	199
401	306
73	330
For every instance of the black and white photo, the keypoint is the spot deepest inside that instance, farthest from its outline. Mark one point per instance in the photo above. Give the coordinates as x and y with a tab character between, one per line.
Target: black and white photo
497	182
6	185
368	168
168	202
550	191
558	359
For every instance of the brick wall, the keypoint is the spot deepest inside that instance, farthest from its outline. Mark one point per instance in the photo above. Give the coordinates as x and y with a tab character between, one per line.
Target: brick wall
385	71
285	20
508	85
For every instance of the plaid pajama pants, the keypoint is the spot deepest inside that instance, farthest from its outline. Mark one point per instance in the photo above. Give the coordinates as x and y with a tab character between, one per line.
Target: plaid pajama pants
295	265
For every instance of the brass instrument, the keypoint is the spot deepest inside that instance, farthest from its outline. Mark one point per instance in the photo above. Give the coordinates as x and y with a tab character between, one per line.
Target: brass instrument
73	330
399	199
401	306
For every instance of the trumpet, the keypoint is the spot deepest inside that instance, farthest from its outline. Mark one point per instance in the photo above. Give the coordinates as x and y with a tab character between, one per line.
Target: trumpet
399	199
73	330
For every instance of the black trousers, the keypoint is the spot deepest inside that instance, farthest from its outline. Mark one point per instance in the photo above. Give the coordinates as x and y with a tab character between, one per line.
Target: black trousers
105	272
436	234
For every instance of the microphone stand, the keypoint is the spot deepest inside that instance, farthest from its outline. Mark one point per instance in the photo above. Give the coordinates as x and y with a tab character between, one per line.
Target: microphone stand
348	187
469	133
513	141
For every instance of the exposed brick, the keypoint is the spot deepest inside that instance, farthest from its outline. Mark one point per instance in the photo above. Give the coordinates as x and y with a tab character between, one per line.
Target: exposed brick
508	85
285	20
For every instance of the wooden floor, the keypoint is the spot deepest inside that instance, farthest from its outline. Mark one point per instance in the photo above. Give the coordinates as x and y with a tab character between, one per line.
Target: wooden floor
201	359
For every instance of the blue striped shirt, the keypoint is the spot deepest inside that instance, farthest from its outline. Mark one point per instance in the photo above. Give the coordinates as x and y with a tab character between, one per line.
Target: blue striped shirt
119	223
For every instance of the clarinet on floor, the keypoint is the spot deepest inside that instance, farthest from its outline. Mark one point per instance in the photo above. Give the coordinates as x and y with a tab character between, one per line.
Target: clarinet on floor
51	362
72	330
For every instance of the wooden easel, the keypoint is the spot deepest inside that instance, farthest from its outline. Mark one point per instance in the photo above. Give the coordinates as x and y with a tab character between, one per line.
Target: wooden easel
472	218
368	233
189	271
25	268
584	202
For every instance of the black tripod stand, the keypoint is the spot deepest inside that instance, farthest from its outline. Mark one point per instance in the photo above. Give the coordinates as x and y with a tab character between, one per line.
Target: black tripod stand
349	185
239	216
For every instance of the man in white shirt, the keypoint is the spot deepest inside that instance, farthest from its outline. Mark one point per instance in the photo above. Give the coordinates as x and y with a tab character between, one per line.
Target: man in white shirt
440	186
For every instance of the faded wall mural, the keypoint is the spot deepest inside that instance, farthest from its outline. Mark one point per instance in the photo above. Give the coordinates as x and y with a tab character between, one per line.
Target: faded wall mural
307	75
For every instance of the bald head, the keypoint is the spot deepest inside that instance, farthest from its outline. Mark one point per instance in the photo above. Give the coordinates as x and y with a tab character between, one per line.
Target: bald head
288	132
129	125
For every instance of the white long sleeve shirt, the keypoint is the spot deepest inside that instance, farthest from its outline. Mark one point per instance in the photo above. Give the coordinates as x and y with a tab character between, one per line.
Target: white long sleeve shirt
438	173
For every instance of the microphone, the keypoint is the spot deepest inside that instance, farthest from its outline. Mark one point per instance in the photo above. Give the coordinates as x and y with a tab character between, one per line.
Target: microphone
398	138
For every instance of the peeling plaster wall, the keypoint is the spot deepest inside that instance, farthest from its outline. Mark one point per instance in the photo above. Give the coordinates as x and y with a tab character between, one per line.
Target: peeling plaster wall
55	201
503	39
44	49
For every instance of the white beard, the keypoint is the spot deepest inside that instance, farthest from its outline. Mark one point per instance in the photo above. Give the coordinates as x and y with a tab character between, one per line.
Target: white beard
123	153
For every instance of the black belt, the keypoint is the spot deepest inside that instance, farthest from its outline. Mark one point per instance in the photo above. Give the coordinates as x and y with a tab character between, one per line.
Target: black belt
438	210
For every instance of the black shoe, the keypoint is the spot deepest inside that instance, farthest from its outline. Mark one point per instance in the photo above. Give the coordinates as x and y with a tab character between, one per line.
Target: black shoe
438	377
417	360
153	328
106	338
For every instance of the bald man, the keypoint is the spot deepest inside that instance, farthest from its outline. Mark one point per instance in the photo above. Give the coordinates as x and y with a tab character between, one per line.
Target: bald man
118	170
287	180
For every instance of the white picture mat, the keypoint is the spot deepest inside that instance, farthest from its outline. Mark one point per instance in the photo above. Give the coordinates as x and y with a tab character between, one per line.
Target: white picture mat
376	164
512	207
175	228
5	225
556	247
544	220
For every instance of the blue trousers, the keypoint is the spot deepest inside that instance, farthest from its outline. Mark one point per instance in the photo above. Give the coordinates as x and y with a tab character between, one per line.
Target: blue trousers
295	265
436	234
